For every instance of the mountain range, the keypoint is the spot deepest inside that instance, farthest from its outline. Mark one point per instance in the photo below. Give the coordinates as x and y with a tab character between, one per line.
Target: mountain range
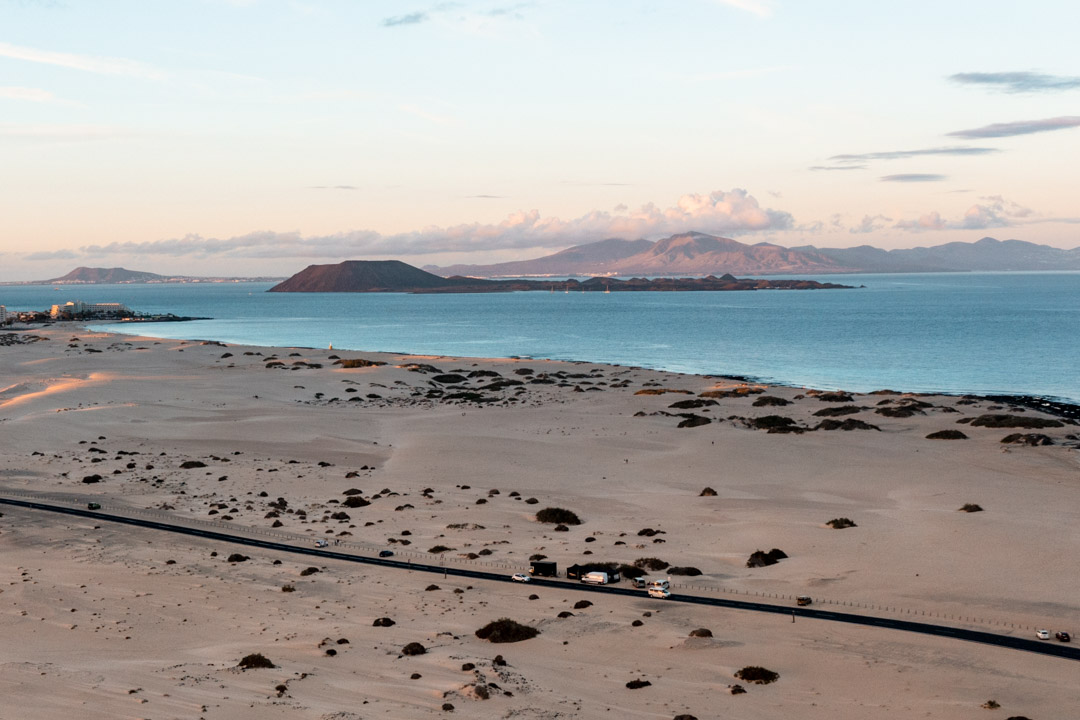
695	253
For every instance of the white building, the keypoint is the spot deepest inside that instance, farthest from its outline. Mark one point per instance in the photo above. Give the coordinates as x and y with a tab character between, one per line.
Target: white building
3	314
82	309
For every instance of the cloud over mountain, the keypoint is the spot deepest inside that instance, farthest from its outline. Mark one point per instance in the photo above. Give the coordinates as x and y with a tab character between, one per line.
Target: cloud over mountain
731	212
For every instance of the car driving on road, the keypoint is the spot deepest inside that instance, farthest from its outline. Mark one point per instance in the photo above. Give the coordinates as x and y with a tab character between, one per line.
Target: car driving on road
1042	634
386	553
321	543
520	577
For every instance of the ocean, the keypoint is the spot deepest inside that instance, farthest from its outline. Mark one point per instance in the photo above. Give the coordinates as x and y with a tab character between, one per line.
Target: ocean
981	333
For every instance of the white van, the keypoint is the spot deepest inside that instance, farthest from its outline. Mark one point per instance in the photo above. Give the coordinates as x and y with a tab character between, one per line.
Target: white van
595	578
659	583
659	592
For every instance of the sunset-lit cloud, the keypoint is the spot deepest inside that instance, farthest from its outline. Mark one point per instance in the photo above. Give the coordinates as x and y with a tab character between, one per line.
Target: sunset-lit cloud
994	211
732	212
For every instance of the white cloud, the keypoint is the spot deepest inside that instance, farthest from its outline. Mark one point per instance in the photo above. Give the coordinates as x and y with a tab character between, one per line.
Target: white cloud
994	211
761	8
87	63
27	94
732	212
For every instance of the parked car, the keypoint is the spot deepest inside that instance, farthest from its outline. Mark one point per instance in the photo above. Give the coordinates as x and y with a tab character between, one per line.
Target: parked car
1042	634
321	543
1062	636
386	553
804	600
520	577
638	582
93	506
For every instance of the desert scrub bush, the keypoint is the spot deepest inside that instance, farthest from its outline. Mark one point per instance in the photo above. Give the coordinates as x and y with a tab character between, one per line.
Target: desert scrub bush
707	492
763	559
350	363
841	523
771	400
635	684
1014	421
413	648
991	704
947	435
768	422
701	633
505	630
439	549
255	661
559	516
688	571
653	564
288	587
308	571
757	675
971	507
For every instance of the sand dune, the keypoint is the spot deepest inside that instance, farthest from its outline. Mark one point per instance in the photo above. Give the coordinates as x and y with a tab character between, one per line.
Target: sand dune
104	621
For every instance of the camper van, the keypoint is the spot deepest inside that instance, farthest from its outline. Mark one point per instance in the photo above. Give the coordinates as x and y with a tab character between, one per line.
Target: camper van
658	583
659	592
595	578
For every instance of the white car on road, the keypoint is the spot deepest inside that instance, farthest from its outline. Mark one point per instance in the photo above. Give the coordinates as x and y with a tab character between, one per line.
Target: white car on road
321	543
520	577
1042	634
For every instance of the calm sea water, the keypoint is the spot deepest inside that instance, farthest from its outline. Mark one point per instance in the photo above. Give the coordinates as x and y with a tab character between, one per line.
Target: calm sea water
981	333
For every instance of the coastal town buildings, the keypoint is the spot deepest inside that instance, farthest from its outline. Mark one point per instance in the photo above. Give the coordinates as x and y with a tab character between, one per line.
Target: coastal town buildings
79	309
3	315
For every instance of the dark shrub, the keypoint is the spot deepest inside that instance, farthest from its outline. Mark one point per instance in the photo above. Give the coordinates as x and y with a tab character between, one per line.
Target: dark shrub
191	464
692	421
354	501
757	675
331	652
308	571
970	508
439	549
737	690
255	661
701	632
637	623
237	557
846	425
531	501
767	422
947	435
582	604
565	614
769	400
635	684
841	523
834	397
684	716
629	571
689	571
838	411
1031	439
1015	421
561	528
707	492
350	363
448	707
382	622
413	648
91	479
763	559
289	587
557	515
653	564
505	630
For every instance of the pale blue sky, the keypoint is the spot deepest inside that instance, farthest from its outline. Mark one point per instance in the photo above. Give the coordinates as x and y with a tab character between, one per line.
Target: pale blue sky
259	136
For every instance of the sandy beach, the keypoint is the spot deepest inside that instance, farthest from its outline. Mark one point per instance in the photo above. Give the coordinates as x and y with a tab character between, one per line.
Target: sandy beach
106	621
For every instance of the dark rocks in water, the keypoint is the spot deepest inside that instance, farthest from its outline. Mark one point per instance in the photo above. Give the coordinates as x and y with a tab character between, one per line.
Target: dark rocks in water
849	424
771	400
839	410
692	420
1015	421
947	435
834	397
1032	439
692	404
449	379
764	559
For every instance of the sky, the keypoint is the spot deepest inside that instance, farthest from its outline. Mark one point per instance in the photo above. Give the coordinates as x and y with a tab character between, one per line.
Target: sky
256	137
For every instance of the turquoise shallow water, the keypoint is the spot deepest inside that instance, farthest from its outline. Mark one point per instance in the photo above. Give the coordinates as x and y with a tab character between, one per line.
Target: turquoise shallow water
984	333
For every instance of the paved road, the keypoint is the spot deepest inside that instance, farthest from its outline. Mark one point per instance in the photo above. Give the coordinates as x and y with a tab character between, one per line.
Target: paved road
1016	643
